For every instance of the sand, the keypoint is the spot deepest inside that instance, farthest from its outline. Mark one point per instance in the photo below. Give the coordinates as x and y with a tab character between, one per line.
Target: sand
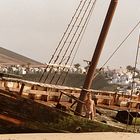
73	136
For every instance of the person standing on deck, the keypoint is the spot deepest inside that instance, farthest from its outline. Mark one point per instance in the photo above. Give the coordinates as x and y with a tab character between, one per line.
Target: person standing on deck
90	107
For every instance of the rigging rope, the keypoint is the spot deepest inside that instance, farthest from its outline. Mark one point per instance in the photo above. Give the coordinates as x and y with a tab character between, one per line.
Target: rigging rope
80	11
82	34
73	37
61	39
134	74
132	89
64	79
77	37
120	45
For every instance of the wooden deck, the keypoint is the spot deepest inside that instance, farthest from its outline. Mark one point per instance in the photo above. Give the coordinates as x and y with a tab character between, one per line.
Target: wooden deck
46	93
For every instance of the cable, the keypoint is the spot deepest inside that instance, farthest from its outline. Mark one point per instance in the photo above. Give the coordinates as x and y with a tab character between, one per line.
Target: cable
120	45
87	21
61	40
72	40
134	74
79	33
66	39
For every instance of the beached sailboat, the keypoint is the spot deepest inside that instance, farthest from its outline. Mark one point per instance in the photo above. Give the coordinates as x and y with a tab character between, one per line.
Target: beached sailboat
34	99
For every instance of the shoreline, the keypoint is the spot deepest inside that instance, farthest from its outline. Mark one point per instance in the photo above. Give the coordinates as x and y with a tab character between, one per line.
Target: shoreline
81	136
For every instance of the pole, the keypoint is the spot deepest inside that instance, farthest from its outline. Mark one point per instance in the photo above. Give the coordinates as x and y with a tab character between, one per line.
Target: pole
97	53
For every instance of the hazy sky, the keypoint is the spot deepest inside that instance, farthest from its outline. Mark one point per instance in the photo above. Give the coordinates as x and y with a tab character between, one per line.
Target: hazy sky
34	27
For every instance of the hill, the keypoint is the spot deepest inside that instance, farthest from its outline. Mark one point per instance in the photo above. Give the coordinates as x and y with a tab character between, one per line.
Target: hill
10	57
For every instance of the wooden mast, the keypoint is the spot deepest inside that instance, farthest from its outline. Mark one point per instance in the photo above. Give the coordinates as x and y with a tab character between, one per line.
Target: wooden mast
96	55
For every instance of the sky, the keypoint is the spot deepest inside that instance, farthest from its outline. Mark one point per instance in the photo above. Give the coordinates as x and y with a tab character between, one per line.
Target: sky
34	28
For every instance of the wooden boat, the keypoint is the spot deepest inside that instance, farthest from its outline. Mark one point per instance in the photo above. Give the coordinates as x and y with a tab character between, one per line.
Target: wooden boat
30	97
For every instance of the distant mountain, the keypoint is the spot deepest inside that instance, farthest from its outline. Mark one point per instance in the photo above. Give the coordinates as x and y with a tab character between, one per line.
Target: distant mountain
10	57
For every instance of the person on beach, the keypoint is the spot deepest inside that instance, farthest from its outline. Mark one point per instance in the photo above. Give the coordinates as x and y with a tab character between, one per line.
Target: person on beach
90	108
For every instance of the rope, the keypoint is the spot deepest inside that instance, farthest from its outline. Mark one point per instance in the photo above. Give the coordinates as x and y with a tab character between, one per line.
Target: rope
119	46
72	40
132	90
121	43
135	74
76	19
66	39
61	40
86	20
85	27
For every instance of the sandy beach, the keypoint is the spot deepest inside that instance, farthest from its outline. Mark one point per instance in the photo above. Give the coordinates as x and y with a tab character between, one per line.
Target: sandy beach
76	136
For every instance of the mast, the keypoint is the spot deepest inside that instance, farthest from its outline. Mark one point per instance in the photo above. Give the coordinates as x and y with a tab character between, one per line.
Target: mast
97	53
